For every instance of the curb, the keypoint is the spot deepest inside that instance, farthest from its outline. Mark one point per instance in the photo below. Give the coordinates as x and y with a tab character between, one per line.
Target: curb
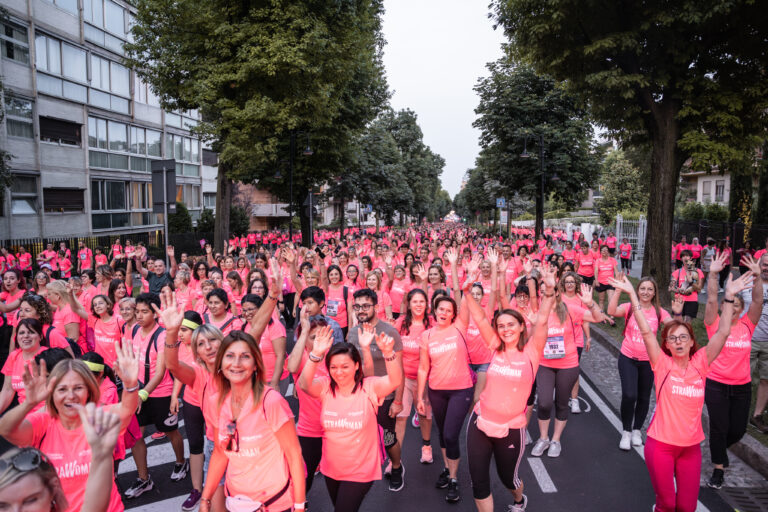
749	449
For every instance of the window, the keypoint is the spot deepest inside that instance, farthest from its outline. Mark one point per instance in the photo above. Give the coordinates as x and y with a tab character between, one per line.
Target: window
123	138
719	191
18	118
183	149
153	143
63	200
143	92
105	24
97	133
24	195
74	62
67	5
210	158
118	136
209	200
108	195
59	132
14	43
706	191
139	196
114	18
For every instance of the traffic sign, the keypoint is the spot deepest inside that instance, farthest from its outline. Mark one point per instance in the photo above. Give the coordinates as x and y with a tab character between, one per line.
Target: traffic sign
501	202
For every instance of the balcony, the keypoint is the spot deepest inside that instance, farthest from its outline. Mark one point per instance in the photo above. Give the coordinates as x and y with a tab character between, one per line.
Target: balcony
269	210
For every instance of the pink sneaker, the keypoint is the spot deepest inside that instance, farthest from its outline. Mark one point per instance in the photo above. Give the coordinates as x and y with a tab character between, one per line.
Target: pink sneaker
158	435
426	455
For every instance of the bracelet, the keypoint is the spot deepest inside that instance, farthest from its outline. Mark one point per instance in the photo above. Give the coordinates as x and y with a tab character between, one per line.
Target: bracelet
274	298
299	506
206	500
637	307
143	394
677	314
175	345
391	358
396	402
131	390
549	294
314	358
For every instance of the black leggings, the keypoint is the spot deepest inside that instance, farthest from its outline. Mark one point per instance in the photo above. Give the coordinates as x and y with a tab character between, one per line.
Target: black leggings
557	380
311	451
728	408
626	264
194	426
636	381
723	277
450	408
508	452
347	496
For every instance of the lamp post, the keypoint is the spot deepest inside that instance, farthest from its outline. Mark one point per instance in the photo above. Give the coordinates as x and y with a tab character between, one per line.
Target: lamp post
307	152
539	228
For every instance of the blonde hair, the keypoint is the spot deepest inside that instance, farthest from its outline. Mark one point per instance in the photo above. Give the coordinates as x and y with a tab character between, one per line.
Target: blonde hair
60	370
208	331
59	287
378	279
45	471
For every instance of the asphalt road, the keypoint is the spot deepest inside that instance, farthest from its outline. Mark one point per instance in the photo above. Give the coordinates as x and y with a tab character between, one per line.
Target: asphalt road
591	474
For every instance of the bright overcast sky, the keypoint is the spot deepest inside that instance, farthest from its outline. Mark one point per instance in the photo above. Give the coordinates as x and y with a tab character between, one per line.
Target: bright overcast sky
436	50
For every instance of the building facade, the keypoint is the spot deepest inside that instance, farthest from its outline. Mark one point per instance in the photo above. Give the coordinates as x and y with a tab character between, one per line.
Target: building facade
82	128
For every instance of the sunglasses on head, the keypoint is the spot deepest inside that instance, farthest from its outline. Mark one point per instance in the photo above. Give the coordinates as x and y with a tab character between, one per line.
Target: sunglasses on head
233	437
27	459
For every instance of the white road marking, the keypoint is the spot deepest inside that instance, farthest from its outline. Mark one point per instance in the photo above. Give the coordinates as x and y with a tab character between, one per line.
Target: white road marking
542	477
616	422
159	506
156	455
289	391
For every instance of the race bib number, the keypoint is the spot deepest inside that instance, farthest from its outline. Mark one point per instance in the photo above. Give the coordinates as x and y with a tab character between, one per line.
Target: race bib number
554	348
333	307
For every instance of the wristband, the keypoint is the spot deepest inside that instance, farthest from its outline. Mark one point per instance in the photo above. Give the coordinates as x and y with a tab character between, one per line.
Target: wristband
729	301
396	402
299	506
143	394
175	345
391	358
274	298
314	358
677	314
131	390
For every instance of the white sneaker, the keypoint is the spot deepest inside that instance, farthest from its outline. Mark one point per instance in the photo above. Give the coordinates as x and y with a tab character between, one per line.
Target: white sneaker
637	438
574	402
540	446
626	441
554	449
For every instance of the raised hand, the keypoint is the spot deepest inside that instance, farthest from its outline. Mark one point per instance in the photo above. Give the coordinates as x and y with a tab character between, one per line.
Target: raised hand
677	304
36	383
452	255
127	364
586	295
170	251
276	284
304	320
323	341
208	249
366	335
622	283
421	272
718	263
527	266
734	286
548	276
493	256
751	263
474	264
385	343
101	429
169	310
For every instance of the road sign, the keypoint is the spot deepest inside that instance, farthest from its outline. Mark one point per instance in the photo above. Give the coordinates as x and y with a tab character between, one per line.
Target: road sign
503	219
501	202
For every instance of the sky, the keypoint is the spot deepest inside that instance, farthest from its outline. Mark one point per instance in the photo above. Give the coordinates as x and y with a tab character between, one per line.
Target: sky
436	50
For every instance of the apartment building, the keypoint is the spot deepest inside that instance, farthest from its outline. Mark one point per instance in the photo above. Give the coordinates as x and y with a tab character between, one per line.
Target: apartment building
82	128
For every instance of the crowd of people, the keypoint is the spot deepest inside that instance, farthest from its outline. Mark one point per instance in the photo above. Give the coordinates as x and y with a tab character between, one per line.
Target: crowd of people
437	326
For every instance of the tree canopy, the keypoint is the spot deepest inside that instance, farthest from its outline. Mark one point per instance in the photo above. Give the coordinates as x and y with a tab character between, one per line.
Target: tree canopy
622	187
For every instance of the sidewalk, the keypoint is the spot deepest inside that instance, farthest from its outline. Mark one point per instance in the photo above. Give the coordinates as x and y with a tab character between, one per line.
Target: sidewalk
748	458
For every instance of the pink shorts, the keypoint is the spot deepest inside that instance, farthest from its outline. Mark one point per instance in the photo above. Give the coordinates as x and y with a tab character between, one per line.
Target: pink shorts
409	392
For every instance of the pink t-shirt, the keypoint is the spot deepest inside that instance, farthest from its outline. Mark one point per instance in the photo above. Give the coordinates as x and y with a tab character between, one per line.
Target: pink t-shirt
351	439
625	251
560	349
578	333
633	345
611	242
508	383
205	388
230	323
679	276
400	287
309	424
410	351
105	336
679	400
336	308
259	469
384	301
63	316
14	368
605	270
85	256
732	364
70	455
273	331
185	298
448	357
13	316
141	345
55	338
586	264
185	356
479	353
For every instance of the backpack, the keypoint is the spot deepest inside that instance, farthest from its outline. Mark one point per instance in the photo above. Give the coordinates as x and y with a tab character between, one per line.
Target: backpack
76	350
152	342
224	325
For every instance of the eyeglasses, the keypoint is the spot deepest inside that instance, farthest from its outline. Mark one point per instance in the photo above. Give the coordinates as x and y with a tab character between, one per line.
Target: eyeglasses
362	307
248	311
27	459
233	438
569	282
675	339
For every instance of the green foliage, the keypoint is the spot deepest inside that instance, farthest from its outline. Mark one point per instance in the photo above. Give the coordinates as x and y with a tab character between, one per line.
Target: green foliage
556	214
699	211
181	221
692	211
714	211
239	220
623	187
525	216
631	214
205	224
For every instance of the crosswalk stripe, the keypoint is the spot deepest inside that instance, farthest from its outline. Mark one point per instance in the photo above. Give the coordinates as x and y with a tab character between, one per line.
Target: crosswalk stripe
161	506
541	474
156	455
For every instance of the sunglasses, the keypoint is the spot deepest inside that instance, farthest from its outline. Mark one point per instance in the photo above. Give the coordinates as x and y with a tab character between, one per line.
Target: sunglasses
233	437
27	459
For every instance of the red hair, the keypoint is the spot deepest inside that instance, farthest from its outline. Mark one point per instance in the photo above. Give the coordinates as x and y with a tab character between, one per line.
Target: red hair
670	326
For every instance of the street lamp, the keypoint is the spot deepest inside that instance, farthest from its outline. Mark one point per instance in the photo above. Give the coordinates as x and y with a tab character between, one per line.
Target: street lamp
539	207
306	152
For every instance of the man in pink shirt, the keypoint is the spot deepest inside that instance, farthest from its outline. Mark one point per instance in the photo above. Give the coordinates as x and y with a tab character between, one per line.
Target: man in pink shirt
84	258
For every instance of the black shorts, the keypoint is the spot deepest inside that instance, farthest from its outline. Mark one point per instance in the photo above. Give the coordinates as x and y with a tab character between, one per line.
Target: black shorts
612	251
603	287
157	411
587	280
691	308
386	423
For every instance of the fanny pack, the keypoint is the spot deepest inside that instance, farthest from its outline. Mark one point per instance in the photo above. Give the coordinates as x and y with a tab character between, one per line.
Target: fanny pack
491	429
241	503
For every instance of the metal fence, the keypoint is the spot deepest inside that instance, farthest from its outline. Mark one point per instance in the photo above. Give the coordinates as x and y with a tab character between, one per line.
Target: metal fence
634	231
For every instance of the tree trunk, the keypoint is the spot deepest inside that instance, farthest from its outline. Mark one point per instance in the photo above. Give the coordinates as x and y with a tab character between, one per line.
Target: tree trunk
761	216
740	202
666	161
539	228
301	210
223	203
342	215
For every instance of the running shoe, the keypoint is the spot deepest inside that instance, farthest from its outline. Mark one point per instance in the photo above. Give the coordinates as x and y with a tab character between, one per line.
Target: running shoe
415	420
396	481
158	435
192	501
717	479
139	487
574	403
426	455
540	447
518	507
452	496
180	471
443	480
528	439
637	438
554	449
759	424
388	469
626	441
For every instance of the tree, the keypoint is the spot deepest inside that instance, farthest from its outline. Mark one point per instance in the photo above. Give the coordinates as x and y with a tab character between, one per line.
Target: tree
623	187
239	221
518	110
259	72
206	224
181	221
685	77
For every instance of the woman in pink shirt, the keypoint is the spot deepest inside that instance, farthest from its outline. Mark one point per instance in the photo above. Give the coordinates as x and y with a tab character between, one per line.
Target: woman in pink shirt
728	389
373	282
625	255
30	340
107	329
634	368
58	430
585	264
606	270
348	414
497	424
337	296
219	315
237	291
271	343
13	289
186	296
65	320
672	450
